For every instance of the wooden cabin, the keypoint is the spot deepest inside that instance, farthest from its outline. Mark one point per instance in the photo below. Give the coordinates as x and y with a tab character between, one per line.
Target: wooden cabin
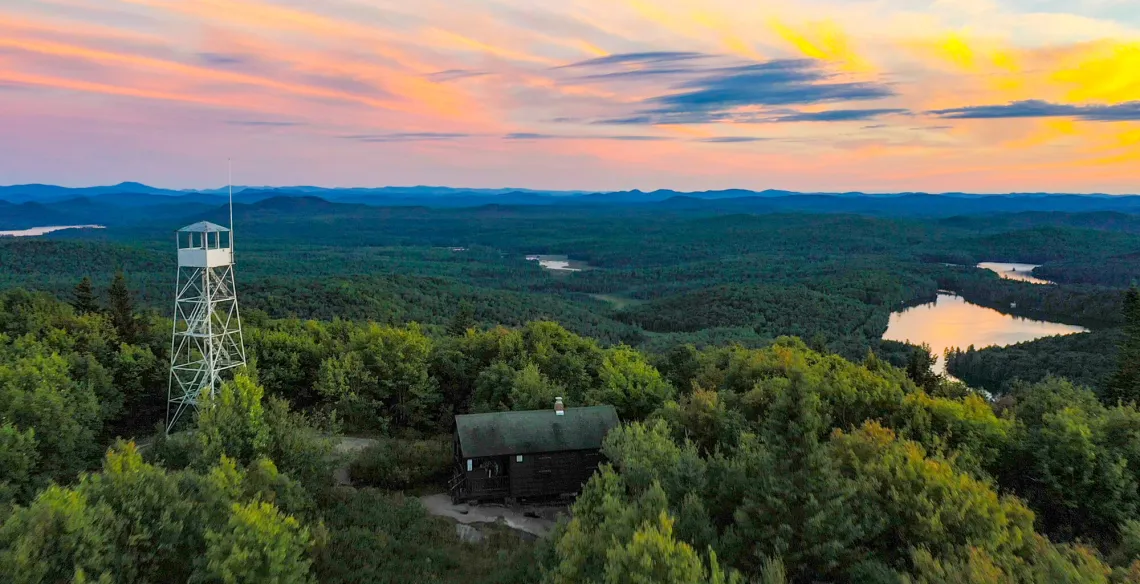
528	455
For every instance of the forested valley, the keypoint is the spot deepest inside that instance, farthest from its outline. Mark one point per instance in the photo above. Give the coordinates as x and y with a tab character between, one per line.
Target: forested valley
768	433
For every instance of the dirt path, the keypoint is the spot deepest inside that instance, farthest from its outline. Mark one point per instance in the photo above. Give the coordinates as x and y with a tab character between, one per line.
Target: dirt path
348	446
440	504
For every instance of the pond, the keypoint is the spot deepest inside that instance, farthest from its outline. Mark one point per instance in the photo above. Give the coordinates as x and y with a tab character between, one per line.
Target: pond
950	321
34	231
1009	271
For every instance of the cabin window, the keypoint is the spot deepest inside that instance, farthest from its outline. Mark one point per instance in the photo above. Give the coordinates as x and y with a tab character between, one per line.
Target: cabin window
518	458
468	465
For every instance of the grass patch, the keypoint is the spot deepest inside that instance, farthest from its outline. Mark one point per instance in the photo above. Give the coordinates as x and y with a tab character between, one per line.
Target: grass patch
618	302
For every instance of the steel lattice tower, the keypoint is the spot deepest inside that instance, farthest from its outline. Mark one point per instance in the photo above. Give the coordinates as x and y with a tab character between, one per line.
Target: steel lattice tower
207	338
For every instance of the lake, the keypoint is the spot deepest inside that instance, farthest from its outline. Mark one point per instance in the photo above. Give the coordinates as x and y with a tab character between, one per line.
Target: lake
34	231
558	263
1020	272
950	321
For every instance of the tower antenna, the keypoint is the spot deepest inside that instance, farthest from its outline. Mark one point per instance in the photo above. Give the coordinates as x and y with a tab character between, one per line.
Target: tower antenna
230	180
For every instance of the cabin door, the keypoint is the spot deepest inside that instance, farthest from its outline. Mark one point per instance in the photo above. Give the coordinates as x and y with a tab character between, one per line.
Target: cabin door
544	472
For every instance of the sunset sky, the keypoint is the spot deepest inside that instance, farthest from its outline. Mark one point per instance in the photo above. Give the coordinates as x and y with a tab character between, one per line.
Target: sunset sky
814	95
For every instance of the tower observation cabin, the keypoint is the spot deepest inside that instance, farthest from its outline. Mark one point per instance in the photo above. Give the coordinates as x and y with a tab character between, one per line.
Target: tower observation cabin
204	245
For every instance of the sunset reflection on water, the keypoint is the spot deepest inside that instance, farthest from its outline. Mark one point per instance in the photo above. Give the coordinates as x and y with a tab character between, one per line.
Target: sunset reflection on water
950	321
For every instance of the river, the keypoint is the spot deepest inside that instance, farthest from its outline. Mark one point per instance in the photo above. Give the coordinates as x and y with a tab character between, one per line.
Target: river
950	321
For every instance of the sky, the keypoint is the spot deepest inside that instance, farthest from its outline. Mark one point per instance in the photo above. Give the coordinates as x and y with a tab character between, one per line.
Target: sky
811	95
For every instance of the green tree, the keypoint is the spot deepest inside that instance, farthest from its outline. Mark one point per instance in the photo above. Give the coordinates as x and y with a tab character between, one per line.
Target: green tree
464	319
924	502
630	384
259	544
531	390
156	527
62	537
37	392
83	298
786	495
493	387
1124	385
232	423
121	308
352	390
653	556
139	377
1072	459
288	362
18	458
399	361
680	366
703	417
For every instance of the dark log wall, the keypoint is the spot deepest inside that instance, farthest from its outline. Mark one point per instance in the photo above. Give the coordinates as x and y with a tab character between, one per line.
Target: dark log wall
552	473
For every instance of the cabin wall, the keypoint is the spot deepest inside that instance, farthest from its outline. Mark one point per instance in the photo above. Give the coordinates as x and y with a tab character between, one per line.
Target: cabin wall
488	478
552	473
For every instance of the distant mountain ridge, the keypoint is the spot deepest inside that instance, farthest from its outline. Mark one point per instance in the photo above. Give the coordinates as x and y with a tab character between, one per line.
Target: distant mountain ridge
130	203
51	193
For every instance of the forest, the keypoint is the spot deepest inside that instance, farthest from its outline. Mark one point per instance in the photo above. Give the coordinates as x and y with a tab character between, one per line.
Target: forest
768	433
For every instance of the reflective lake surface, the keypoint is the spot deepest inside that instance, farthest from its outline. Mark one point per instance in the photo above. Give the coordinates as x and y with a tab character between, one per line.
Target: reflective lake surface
42	230
1022	272
558	263
950	321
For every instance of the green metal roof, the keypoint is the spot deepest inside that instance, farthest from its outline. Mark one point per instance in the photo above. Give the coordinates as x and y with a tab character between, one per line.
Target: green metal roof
505	433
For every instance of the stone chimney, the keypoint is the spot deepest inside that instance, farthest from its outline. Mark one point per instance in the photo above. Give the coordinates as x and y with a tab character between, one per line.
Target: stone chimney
559	409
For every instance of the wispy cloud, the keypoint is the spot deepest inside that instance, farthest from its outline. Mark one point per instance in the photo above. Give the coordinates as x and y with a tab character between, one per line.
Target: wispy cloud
1129	111
620	137
220	59
264	123
409	137
646	58
455	74
703	89
730	139
774	83
838	115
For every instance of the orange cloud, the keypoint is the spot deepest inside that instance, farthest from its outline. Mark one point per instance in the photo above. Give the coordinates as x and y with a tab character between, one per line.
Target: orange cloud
260	16
825	41
1105	71
444	38
971	55
107	89
100	56
698	23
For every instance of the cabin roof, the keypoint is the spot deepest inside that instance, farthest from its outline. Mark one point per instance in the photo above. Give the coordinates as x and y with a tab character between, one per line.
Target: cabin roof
204	227
505	433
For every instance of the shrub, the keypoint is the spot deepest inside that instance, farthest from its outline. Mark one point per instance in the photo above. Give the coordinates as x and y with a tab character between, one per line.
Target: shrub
399	464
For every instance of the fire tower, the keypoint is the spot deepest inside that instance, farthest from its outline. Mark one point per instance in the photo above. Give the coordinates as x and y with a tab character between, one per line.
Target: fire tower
207	339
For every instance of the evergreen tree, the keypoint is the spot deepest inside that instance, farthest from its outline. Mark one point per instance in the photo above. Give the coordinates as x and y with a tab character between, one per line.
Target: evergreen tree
1124	385
463	320
122	308
920	368
84	302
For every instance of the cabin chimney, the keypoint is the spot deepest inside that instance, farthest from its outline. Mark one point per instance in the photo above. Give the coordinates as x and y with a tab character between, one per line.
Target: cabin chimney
559	409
